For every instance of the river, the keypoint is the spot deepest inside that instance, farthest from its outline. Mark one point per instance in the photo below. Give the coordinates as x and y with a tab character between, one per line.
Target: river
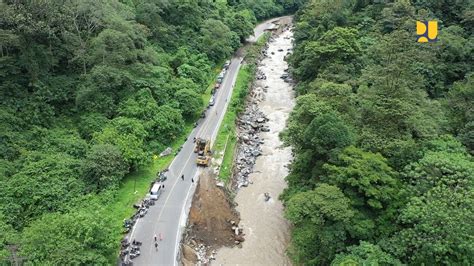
266	230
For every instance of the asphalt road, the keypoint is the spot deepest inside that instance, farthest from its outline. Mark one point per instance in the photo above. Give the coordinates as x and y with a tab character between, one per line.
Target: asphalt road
260	28
168	216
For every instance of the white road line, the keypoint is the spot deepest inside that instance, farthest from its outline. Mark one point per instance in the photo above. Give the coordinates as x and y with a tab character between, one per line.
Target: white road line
229	93
164	204
174	159
176	182
205	125
196	179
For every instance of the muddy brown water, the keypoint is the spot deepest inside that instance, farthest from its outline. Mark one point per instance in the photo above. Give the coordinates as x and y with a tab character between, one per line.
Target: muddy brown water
266	230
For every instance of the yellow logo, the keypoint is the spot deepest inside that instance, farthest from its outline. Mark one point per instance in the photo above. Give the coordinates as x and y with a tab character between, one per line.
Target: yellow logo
427	31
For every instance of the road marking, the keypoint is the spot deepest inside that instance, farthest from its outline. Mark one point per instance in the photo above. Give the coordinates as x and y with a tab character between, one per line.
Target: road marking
176	157
229	87
207	122
229	93
169	195
196	179
204	128
164	204
204	125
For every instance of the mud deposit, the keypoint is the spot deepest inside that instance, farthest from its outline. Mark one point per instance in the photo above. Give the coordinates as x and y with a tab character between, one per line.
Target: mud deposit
266	231
209	221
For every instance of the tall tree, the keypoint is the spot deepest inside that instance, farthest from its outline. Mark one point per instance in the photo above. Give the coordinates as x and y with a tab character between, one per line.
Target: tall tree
83	235
44	184
436	228
128	135
364	177
217	40
319	217
364	254
104	166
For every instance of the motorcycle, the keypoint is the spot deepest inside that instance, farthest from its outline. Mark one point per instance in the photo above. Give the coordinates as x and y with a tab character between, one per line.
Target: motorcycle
134	254
142	212
136	243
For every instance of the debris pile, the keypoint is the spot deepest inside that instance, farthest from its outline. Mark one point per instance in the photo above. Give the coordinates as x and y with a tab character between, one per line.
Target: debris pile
264	52
200	253
213	221
250	123
260	75
166	152
238	233
211	224
204	254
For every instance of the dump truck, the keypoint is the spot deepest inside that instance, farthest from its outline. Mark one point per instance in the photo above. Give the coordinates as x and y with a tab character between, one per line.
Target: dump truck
203	149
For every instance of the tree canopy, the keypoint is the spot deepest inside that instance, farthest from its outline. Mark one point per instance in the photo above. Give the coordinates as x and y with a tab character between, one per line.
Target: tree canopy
90	91
387	123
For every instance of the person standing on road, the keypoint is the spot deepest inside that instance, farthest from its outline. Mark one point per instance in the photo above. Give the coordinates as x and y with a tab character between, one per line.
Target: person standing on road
182	177
154	237
156	246
192	179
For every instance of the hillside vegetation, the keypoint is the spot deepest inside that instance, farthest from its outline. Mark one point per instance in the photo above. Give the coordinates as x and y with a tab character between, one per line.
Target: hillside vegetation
90	91
383	135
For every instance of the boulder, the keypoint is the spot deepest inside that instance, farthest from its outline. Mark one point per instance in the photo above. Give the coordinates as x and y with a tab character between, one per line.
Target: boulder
189	254
166	152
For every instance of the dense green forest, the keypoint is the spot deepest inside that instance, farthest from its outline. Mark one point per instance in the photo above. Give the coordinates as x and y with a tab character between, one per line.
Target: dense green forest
383	134
90	91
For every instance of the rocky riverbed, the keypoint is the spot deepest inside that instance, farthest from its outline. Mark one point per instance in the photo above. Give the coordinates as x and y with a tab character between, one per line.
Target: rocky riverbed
261	163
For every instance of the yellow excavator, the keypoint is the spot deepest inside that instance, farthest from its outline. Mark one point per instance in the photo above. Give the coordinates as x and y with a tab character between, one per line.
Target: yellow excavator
203	149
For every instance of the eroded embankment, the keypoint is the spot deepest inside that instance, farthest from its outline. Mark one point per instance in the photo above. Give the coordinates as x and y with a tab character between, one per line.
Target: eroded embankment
262	235
210	221
266	230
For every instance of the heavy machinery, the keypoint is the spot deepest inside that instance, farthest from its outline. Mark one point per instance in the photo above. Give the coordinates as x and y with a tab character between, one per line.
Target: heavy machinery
203	149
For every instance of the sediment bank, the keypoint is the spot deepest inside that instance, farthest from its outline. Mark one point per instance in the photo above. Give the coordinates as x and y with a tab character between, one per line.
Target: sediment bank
260	236
266	230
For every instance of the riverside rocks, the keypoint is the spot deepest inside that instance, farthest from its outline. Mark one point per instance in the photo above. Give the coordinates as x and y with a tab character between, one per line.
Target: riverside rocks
260	75
210	226
250	123
263	222
202	252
